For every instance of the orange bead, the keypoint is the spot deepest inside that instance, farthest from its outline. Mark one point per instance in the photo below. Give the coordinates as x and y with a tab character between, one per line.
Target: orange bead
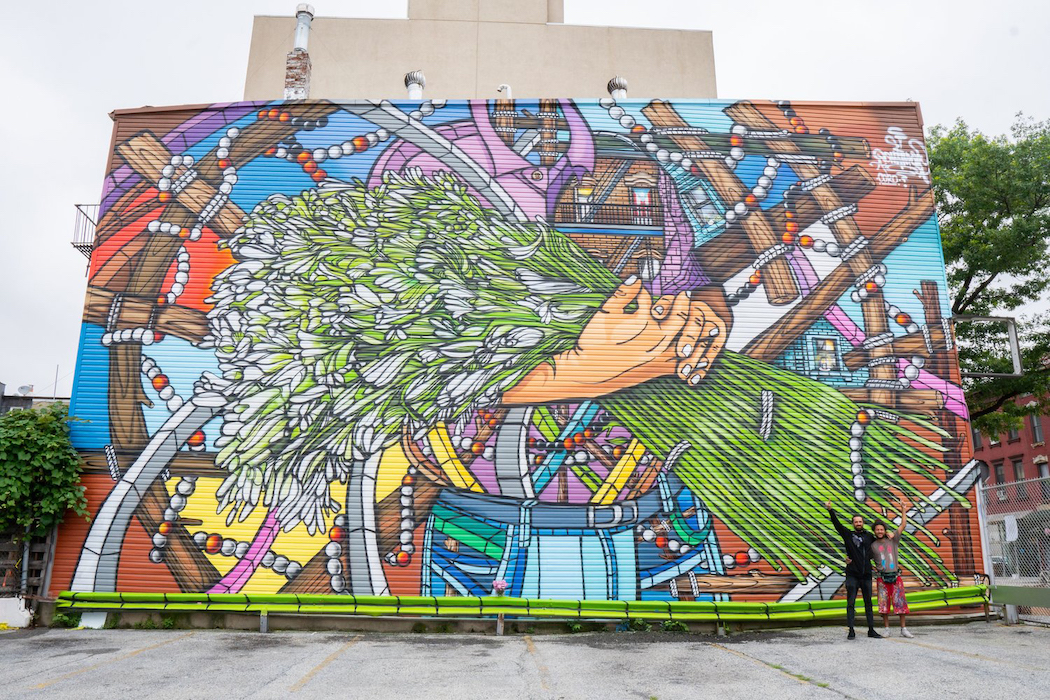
408	480
805	241
224	163
578	438
838	155
403	558
493	422
794	121
303	157
284	117
863	418
588	433
160	381
791	227
789	214
360	143
660	541
310	167
788	238
618	451
477	447
262	114
164	528
273	113
754	279
637	129
871	286
164	197
801	129
742	559
568	443
213	544
538	459
735	140
271	151
335	534
196	439
161	300
184	232
903	319
319	175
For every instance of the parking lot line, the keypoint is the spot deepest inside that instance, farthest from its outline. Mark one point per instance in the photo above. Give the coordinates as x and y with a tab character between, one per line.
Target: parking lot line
92	667
804	680
968	654
540	666
329	659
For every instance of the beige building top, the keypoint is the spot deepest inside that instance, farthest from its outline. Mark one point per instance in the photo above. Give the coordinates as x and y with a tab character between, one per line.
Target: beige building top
467	48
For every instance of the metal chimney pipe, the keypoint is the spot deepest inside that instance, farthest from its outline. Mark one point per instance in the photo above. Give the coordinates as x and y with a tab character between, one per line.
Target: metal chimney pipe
617	87
415	81
503	87
304	15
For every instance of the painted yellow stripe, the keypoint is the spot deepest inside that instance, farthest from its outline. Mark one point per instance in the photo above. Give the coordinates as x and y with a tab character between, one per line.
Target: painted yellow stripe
329	659
614	483
445	454
92	667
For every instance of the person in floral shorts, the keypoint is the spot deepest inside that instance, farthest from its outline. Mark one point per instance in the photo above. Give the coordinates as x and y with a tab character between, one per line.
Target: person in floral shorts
890	585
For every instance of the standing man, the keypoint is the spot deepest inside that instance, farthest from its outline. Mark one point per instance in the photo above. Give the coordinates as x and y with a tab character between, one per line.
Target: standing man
858	569
890	584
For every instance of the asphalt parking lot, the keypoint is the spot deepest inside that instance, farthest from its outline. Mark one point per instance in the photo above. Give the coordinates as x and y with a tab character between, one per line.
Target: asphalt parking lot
975	660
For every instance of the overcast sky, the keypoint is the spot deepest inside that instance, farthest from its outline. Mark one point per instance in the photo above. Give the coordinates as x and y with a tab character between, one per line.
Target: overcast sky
65	69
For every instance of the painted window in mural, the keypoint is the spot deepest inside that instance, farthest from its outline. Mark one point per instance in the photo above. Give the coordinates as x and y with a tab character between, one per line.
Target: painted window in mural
594	349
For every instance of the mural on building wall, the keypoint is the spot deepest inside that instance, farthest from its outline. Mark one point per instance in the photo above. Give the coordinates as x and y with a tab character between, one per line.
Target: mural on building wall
594	349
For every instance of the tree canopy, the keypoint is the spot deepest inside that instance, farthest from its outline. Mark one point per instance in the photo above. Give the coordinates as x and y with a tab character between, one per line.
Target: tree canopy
993	203
39	471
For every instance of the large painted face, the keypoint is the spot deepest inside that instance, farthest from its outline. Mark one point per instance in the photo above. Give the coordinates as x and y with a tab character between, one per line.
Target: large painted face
858	523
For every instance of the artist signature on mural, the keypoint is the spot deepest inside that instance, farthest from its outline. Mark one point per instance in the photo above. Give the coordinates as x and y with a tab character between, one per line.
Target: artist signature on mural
906	159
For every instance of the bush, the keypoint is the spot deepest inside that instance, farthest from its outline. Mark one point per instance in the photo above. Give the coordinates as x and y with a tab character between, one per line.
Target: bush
65	620
674	626
39	471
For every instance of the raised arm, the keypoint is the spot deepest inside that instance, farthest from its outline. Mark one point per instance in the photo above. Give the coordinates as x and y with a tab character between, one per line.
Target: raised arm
905	506
835	520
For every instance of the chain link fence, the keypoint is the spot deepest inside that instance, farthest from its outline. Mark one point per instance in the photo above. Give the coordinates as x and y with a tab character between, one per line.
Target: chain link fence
1017	534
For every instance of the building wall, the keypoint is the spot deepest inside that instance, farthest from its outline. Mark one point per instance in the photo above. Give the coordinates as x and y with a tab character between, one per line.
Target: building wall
467	49
1014	457
397	350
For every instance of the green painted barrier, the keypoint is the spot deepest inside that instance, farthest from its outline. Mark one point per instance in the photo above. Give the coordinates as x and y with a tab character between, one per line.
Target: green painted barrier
472	606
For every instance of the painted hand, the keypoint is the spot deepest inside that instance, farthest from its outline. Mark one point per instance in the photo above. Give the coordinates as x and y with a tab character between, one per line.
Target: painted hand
630	340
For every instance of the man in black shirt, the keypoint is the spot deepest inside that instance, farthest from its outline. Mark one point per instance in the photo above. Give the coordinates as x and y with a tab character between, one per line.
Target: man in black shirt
858	569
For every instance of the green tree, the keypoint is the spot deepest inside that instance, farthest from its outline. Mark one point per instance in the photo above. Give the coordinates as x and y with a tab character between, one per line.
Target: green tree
39	471
993	203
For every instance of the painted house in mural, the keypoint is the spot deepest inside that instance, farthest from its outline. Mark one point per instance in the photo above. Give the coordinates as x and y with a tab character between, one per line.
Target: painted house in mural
596	349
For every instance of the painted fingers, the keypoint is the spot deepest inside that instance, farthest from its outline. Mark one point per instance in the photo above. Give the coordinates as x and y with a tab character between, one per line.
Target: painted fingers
702	339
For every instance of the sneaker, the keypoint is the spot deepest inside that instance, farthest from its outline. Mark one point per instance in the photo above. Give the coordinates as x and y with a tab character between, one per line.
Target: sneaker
906	633
885	631
851	635
873	634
